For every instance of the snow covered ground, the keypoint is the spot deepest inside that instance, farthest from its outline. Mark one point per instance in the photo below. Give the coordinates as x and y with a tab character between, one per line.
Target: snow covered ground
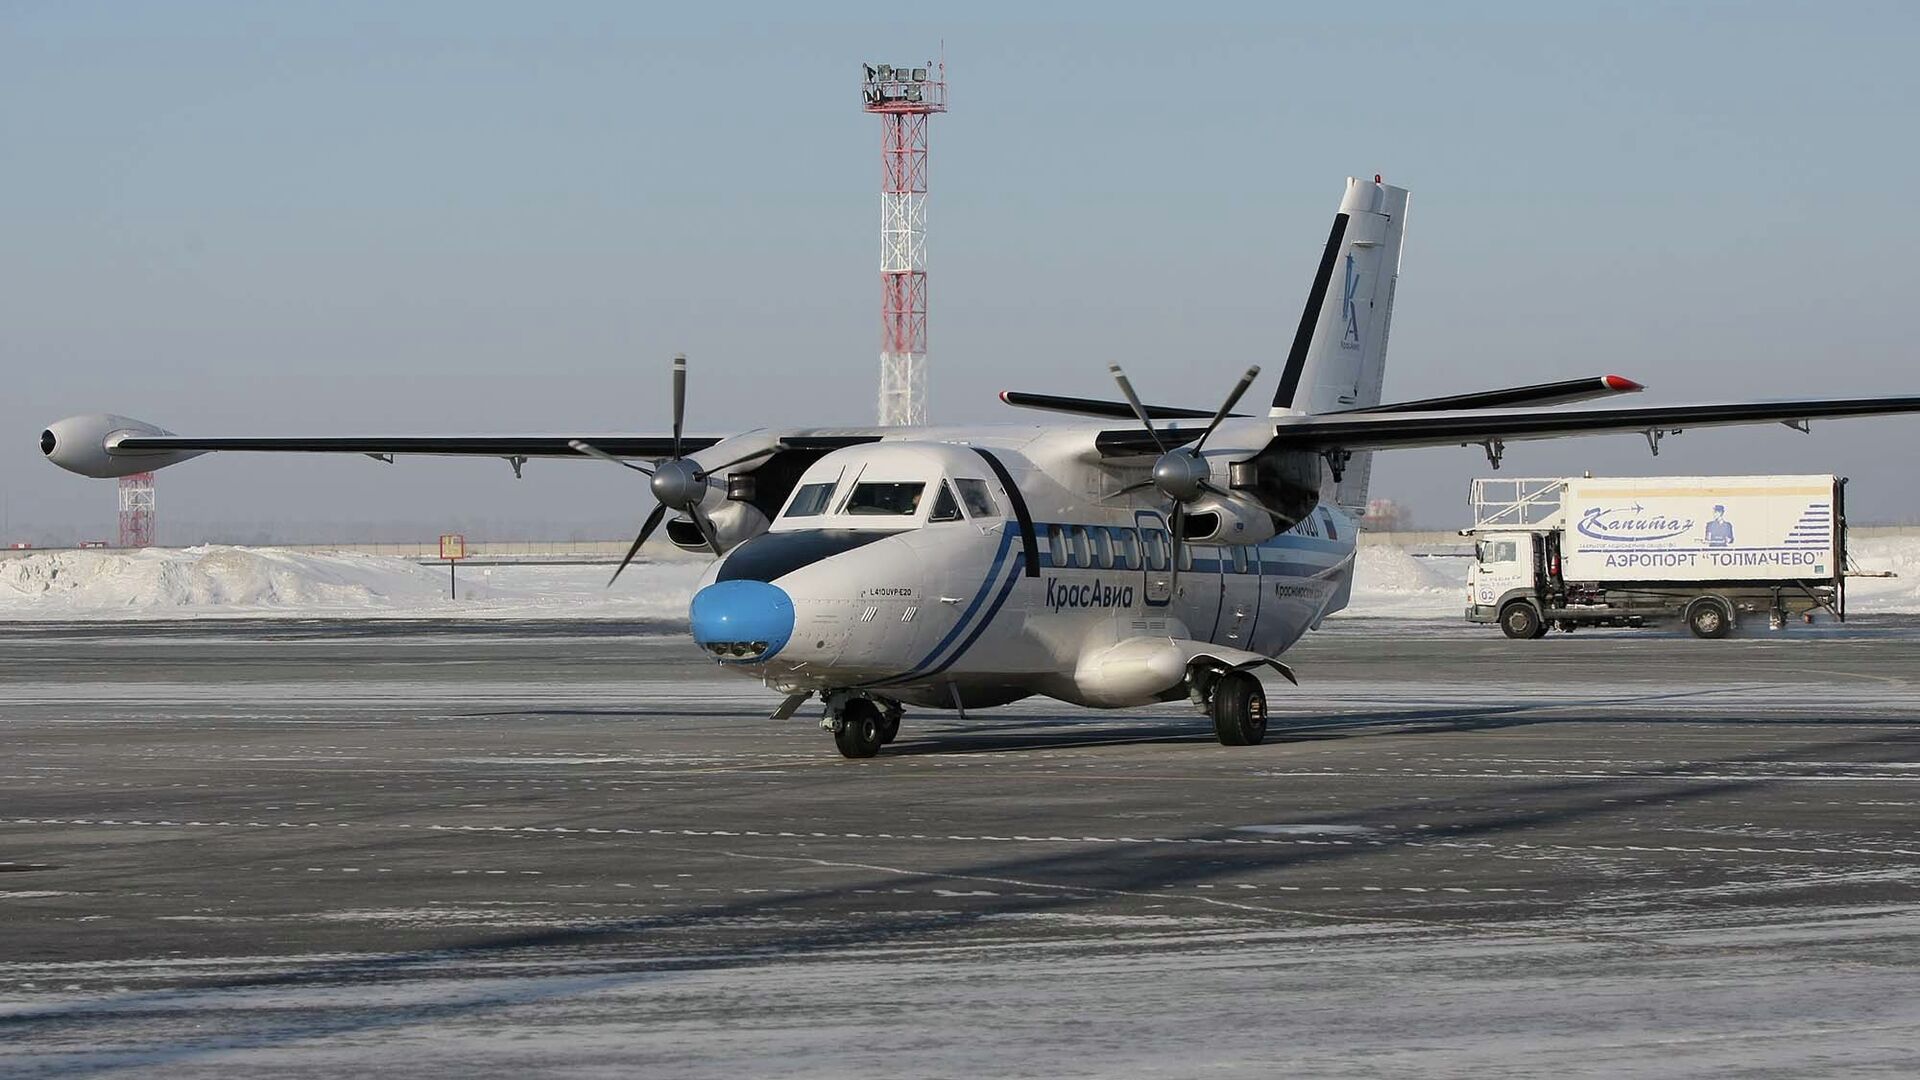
225	582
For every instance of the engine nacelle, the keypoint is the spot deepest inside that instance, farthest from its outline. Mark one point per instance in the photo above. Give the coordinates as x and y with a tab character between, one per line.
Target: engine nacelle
734	523
87	445
1287	482
1211	519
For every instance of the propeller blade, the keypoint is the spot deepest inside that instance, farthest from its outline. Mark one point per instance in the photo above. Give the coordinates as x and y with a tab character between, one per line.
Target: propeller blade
1232	400
590	450
679	398
1131	488
711	469
1139	410
1173	584
653	522
706	530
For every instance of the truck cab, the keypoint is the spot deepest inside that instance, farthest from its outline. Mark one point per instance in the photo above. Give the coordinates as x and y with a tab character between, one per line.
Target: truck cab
1506	569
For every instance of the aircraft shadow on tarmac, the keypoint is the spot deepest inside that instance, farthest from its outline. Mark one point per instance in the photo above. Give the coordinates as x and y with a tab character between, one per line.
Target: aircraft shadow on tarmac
1065	878
1056	732
942	733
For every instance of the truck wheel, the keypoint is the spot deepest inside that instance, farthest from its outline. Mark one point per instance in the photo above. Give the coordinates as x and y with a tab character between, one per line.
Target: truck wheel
1709	618
1519	620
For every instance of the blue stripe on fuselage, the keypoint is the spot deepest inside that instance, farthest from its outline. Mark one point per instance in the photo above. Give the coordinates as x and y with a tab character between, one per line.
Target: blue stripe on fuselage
959	627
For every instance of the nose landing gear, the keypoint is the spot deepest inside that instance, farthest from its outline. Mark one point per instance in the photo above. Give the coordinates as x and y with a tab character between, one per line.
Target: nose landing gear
861	725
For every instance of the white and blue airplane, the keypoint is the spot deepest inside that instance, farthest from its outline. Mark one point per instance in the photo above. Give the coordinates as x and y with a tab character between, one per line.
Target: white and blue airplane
1109	561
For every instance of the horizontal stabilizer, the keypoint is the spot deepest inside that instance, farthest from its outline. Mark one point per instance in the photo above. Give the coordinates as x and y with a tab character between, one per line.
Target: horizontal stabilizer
1552	393
1105	410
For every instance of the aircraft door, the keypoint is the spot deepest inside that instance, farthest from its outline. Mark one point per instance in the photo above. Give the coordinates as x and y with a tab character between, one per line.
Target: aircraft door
1240	596
1156	558
1201	583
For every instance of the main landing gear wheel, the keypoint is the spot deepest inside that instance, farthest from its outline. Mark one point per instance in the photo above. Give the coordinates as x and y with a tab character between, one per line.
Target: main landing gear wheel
1519	621
859	733
1709	618
889	727
1239	710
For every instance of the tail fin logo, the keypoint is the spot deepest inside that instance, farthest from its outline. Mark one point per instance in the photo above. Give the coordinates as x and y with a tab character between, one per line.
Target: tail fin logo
1352	338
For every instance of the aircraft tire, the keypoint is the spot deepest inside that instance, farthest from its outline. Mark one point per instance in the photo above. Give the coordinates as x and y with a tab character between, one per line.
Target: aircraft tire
889	729
1239	710
860	728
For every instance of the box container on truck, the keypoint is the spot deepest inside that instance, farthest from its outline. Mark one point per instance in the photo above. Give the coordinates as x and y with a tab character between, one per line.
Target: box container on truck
1706	550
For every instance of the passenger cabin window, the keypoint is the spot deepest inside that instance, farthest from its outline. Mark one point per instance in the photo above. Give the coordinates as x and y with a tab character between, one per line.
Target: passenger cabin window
1239	560
979	500
1126	553
810	500
884	499
1102	548
945	506
1057	546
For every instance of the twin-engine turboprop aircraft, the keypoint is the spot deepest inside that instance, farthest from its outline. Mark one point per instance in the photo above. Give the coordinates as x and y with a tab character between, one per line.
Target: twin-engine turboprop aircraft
1107	561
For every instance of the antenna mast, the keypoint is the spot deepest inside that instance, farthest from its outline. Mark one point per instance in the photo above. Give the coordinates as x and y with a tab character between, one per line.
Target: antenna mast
903	98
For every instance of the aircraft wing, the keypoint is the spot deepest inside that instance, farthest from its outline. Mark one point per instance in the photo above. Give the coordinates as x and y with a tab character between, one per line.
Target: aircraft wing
1384	431
103	445
529	446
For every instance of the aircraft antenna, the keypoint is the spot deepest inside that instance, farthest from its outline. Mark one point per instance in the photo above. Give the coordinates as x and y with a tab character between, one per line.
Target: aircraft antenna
904	98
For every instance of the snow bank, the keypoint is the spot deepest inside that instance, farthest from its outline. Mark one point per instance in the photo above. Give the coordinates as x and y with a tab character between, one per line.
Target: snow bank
237	581
1390	582
1901	594
204	582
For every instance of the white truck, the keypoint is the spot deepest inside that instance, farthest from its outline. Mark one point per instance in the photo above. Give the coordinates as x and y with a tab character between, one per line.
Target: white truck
1589	551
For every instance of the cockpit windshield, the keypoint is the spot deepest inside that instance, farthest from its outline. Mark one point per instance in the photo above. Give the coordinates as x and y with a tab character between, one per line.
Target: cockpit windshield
978	499
884	499
810	500
945	507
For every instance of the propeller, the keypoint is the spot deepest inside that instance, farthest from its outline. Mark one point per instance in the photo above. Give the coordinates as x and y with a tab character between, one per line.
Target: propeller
678	483
1180	473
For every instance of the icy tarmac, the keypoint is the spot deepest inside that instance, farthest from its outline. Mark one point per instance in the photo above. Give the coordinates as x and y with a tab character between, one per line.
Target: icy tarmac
302	848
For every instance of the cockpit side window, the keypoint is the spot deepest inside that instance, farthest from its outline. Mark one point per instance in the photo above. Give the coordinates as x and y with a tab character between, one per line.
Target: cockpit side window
945	506
979	500
884	499
810	500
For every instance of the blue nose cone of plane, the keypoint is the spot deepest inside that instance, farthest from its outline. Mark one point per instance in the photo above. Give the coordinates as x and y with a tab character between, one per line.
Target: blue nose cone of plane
742	621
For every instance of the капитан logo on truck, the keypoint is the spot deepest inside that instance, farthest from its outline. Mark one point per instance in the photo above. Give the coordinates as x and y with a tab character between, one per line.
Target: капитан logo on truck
1631	524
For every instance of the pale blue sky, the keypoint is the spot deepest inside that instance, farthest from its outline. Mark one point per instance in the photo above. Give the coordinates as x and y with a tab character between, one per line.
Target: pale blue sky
260	218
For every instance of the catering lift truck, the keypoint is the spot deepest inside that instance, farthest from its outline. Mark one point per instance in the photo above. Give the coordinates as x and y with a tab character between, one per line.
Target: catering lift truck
1707	550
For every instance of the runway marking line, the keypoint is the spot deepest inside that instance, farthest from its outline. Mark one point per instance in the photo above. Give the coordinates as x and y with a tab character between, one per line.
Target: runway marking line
1196	841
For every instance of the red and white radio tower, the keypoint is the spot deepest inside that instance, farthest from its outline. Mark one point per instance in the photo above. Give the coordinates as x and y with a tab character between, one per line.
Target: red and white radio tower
136	510
904	97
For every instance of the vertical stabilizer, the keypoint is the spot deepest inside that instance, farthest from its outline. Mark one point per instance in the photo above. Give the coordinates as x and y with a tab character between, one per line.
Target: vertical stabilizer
1339	354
